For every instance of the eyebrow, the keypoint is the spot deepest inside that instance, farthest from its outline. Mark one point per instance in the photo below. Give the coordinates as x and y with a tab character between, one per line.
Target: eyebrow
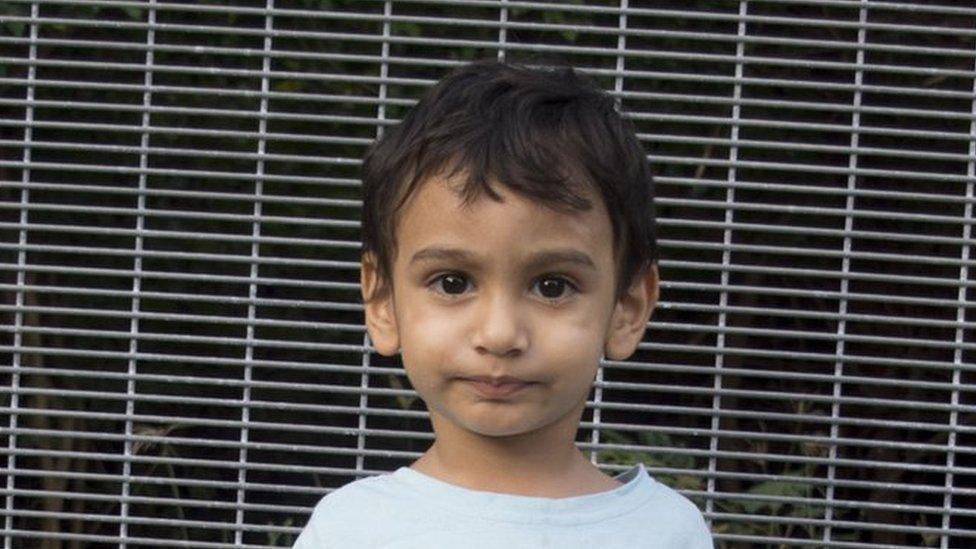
545	257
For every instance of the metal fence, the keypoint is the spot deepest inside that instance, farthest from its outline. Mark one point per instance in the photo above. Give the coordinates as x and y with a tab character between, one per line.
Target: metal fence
182	352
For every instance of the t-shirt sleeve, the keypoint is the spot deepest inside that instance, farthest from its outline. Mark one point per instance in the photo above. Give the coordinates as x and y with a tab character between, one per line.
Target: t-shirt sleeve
701	537
314	535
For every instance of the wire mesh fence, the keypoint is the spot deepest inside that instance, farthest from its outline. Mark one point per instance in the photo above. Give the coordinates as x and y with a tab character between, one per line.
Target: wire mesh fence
182	353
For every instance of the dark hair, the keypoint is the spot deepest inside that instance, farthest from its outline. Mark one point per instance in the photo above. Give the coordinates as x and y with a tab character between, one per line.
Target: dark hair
545	133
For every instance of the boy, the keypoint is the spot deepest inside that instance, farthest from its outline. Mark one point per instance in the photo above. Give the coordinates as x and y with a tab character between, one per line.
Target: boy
508	243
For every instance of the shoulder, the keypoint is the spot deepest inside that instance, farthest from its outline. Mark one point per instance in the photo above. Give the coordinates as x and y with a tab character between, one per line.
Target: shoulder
348	512
678	515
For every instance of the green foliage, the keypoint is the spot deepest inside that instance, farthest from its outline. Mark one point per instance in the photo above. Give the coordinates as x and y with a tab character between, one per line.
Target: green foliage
652	439
281	539
12	28
765	499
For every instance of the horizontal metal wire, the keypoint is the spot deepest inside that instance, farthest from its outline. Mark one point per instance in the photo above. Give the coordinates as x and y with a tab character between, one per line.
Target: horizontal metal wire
212	464
207	91
215	545
191	111
785	478
630	95
176	441
716	121
780	541
35	535
37	228
818	273
675	306
820	211
149	521
164	502
496	24
180	214
197	524
901	342
632	74
217	464
813	188
161	151
518	46
813	231
320	491
664	244
377	370
744	144
317	222
327	202
870	526
731	16
183	256
749	352
182	482
176	276
183	297
815	503
265	198
172	130
726	372
605	404
666	284
683	411
322	263
328	98
806	502
694	14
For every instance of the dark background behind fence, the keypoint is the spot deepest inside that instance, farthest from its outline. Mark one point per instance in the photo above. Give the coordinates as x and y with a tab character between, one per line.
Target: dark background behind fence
182	357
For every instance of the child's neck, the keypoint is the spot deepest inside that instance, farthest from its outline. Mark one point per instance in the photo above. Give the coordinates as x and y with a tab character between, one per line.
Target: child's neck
545	464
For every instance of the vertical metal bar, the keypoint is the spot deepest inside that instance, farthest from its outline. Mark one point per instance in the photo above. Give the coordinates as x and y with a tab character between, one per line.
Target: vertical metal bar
380	117
967	234
502	30
21	273
618	86
130	389
252	290
839	350
723	299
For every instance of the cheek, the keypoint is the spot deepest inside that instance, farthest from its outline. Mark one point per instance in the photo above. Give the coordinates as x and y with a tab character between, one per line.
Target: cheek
426	344
585	326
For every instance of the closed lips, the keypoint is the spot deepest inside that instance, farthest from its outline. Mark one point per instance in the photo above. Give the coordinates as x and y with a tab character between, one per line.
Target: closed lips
505	380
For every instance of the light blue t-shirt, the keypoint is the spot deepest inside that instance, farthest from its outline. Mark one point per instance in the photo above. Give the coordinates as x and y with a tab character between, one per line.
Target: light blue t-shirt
408	509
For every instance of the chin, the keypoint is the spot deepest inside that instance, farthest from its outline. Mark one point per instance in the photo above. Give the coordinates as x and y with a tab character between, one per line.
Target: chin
501	430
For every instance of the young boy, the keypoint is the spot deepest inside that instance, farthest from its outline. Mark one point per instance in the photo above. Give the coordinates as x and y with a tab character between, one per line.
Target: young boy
508	243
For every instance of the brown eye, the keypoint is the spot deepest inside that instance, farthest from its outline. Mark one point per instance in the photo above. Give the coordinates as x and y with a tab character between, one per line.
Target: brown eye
452	284
552	288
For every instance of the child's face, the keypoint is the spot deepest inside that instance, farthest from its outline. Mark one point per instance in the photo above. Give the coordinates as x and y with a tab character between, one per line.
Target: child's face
501	310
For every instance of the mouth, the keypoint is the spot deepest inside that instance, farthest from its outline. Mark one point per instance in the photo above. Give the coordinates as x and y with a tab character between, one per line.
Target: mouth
497	388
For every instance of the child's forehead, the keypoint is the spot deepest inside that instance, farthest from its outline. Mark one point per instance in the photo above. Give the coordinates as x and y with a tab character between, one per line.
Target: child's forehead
458	192
441	214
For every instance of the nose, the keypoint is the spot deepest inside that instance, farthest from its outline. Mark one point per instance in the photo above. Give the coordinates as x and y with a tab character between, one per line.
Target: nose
500	328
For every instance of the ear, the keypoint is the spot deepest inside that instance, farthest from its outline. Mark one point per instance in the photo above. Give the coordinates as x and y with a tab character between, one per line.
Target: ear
630	315
378	303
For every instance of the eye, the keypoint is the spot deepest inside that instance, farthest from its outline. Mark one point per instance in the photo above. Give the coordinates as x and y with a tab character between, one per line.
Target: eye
554	287
451	284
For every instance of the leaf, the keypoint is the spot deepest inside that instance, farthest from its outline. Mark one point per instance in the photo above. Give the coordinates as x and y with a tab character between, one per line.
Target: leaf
16	28
134	13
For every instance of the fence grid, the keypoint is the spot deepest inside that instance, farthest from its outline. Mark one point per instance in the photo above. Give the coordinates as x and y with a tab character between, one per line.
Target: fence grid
183	360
